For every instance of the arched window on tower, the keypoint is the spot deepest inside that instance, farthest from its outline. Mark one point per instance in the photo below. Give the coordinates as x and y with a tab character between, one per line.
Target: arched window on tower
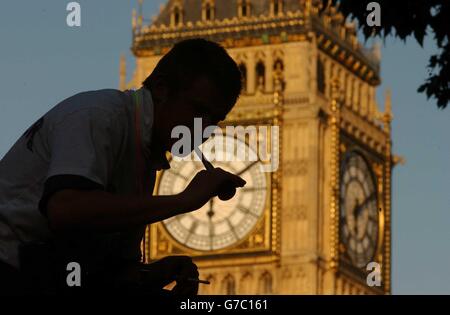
260	76
352	91
320	76
278	65
246	284
244	8
276	7
176	18
208	289
359	97
348	90
278	68
330	77
369	101
356	95
265	283
229	285
208	10
243	69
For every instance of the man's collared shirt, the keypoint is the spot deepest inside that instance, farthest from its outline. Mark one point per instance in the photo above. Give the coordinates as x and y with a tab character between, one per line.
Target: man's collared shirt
153	155
87	141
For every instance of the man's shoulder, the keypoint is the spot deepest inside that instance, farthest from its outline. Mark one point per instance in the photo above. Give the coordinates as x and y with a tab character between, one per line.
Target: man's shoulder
106	103
107	99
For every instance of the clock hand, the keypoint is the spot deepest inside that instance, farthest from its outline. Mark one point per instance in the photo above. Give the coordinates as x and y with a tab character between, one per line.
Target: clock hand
372	196
355	209
211	209
359	208
364	203
245	169
356	215
210	214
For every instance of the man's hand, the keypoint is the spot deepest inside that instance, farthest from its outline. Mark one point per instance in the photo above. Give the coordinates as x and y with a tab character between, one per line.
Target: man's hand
208	184
172	268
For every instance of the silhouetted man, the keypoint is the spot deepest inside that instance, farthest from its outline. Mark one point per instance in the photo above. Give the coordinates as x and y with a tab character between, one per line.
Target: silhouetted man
78	183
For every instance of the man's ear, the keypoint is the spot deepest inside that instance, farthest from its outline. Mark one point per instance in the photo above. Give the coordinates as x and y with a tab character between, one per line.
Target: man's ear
160	88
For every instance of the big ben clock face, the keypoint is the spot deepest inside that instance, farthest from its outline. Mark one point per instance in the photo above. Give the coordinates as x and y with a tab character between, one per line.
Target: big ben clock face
358	210
218	224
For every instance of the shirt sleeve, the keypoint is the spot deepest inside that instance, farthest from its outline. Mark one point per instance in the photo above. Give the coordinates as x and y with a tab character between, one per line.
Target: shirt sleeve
85	144
60	182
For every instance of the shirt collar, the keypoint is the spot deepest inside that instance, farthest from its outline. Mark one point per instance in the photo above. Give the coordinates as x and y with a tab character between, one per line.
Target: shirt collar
154	155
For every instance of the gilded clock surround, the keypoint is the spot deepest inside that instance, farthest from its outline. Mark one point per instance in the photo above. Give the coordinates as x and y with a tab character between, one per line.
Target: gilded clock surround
299	250
257	241
219	225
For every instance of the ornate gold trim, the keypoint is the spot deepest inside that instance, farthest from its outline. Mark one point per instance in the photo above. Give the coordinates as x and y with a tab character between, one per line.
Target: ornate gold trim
388	117
278	101
262	241
335	117
265	29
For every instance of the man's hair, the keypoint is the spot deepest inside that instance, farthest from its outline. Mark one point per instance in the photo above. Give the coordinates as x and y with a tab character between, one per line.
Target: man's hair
190	59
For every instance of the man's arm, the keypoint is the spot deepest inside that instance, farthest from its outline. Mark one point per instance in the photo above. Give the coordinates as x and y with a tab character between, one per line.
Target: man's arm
75	210
100	211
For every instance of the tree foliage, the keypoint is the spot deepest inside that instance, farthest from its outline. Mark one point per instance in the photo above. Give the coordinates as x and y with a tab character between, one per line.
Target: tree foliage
405	18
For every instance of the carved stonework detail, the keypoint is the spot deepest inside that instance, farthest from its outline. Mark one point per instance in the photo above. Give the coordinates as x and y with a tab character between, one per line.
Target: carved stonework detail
296	275
208	289
295	212
286	273
265	283
163	247
246	283
297	167
228	285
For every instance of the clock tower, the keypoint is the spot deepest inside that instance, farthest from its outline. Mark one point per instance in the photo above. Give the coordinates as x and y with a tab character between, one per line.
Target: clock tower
319	223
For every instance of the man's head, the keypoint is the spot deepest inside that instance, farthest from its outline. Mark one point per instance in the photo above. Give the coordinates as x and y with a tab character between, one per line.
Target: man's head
196	79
